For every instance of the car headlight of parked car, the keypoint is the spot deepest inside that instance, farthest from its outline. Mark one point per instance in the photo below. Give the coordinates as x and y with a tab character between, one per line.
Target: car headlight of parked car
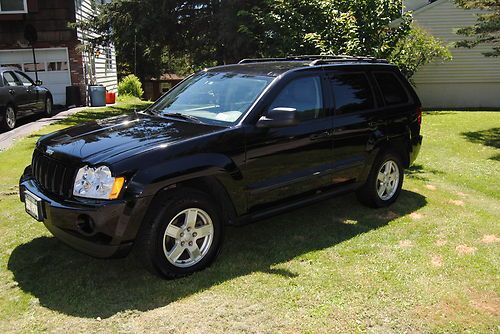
97	183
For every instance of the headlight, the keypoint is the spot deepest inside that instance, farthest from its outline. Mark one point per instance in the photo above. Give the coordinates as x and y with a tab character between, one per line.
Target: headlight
97	183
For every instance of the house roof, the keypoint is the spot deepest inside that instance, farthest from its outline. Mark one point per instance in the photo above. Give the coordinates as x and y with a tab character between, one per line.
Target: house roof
429	6
167	77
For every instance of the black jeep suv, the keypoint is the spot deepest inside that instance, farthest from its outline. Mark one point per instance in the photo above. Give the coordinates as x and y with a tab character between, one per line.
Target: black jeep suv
227	145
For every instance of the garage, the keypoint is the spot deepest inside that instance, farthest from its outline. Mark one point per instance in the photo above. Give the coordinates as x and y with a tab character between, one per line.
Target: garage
52	66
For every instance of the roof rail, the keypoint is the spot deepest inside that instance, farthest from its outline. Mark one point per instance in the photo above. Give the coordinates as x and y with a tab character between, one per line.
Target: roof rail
348	58
260	60
315	59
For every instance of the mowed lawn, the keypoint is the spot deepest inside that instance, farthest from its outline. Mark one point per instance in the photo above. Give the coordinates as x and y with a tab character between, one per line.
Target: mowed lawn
429	263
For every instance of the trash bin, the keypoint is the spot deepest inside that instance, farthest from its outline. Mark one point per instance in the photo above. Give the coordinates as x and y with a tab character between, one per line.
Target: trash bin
73	96
97	96
110	98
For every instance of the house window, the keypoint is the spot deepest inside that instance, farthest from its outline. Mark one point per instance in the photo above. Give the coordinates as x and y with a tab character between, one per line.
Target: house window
13	6
109	58
57	66
18	66
30	67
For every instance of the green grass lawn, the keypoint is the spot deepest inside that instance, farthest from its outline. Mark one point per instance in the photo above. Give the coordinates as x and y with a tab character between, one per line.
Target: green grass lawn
429	263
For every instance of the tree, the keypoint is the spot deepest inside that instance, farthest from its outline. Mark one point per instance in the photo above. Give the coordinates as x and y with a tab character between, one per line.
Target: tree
352	27
157	36
416	49
487	28
165	35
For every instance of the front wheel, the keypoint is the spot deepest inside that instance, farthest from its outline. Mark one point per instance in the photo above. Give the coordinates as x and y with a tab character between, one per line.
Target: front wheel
384	182
183	235
48	107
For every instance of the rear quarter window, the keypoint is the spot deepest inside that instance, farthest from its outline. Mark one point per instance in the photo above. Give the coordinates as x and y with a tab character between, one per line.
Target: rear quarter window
352	93
392	91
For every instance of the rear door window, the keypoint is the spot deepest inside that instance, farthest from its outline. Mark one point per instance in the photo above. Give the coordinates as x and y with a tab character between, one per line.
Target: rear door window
392	91
352	93
11	80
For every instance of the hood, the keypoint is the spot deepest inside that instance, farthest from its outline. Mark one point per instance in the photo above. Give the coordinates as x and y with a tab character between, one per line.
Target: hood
119	137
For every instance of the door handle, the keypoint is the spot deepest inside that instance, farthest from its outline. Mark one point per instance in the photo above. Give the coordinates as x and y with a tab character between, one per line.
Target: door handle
322	135
375	125
338	130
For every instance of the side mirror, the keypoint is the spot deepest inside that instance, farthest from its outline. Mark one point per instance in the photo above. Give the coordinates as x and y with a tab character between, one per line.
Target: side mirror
278	118
38	82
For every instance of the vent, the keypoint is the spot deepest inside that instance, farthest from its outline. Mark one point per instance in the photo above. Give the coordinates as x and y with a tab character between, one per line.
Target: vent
52	176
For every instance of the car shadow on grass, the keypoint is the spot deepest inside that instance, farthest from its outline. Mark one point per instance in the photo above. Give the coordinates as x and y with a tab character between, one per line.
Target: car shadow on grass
421	172
66	281
489	137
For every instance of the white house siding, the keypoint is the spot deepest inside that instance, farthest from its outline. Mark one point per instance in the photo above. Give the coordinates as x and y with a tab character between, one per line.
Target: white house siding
104	76
470	80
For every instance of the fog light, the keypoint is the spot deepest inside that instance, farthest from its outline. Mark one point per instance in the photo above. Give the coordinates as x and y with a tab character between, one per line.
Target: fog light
86	225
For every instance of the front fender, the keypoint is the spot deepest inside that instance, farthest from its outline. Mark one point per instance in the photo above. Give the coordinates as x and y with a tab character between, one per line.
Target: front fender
148	181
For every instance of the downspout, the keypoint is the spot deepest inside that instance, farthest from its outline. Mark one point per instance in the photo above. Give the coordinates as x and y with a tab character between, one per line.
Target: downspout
83	53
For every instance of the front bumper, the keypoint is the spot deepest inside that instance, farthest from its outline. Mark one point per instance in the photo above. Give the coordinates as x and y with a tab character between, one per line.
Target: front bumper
101	229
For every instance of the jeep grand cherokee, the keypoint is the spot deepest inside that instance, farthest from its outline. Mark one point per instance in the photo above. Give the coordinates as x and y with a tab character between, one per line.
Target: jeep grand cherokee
228	145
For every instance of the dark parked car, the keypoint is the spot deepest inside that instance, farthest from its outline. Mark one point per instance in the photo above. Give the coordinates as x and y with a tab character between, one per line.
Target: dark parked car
226	146
20	97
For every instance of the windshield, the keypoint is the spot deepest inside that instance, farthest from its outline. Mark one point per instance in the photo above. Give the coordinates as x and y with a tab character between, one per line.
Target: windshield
212	97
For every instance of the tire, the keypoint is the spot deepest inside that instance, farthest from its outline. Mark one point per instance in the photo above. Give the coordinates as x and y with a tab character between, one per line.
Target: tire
169	245
9	118
48	107
381	190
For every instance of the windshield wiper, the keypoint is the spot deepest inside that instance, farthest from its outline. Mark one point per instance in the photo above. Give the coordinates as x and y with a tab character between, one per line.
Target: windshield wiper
183	116
151	111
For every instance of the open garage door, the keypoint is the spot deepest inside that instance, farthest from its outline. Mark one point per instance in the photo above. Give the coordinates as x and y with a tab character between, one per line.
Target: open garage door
52	65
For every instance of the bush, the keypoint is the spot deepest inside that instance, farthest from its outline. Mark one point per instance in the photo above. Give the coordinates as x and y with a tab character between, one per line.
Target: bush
130	85
417	49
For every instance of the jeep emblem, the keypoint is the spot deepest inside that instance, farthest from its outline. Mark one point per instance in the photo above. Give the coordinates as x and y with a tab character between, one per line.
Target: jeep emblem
49	151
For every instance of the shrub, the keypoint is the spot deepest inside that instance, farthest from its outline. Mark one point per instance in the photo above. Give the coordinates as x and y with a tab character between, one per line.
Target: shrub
417	49
130	85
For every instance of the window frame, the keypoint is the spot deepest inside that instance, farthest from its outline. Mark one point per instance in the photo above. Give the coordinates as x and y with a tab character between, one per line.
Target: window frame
108	59
16	79
25	5
21	75
381	94
366	74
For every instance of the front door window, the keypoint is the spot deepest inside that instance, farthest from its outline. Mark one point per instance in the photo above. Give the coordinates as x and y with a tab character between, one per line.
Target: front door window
304	95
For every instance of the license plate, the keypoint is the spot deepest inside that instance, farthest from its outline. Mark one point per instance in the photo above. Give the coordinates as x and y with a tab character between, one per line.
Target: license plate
33	205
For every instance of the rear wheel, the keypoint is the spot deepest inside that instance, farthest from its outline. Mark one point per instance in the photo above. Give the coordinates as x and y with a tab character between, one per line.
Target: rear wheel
182	236
48	107
384	182
9	118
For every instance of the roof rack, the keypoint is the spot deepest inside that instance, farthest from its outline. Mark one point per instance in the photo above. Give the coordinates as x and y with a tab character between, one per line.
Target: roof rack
316	59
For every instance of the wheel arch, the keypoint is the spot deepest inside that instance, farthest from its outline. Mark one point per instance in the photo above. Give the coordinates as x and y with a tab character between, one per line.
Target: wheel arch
209	185
215	174
48	94
399	144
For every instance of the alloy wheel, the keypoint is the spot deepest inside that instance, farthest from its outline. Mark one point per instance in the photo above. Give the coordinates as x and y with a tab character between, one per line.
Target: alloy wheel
387	180
188	237
48	107
10	117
